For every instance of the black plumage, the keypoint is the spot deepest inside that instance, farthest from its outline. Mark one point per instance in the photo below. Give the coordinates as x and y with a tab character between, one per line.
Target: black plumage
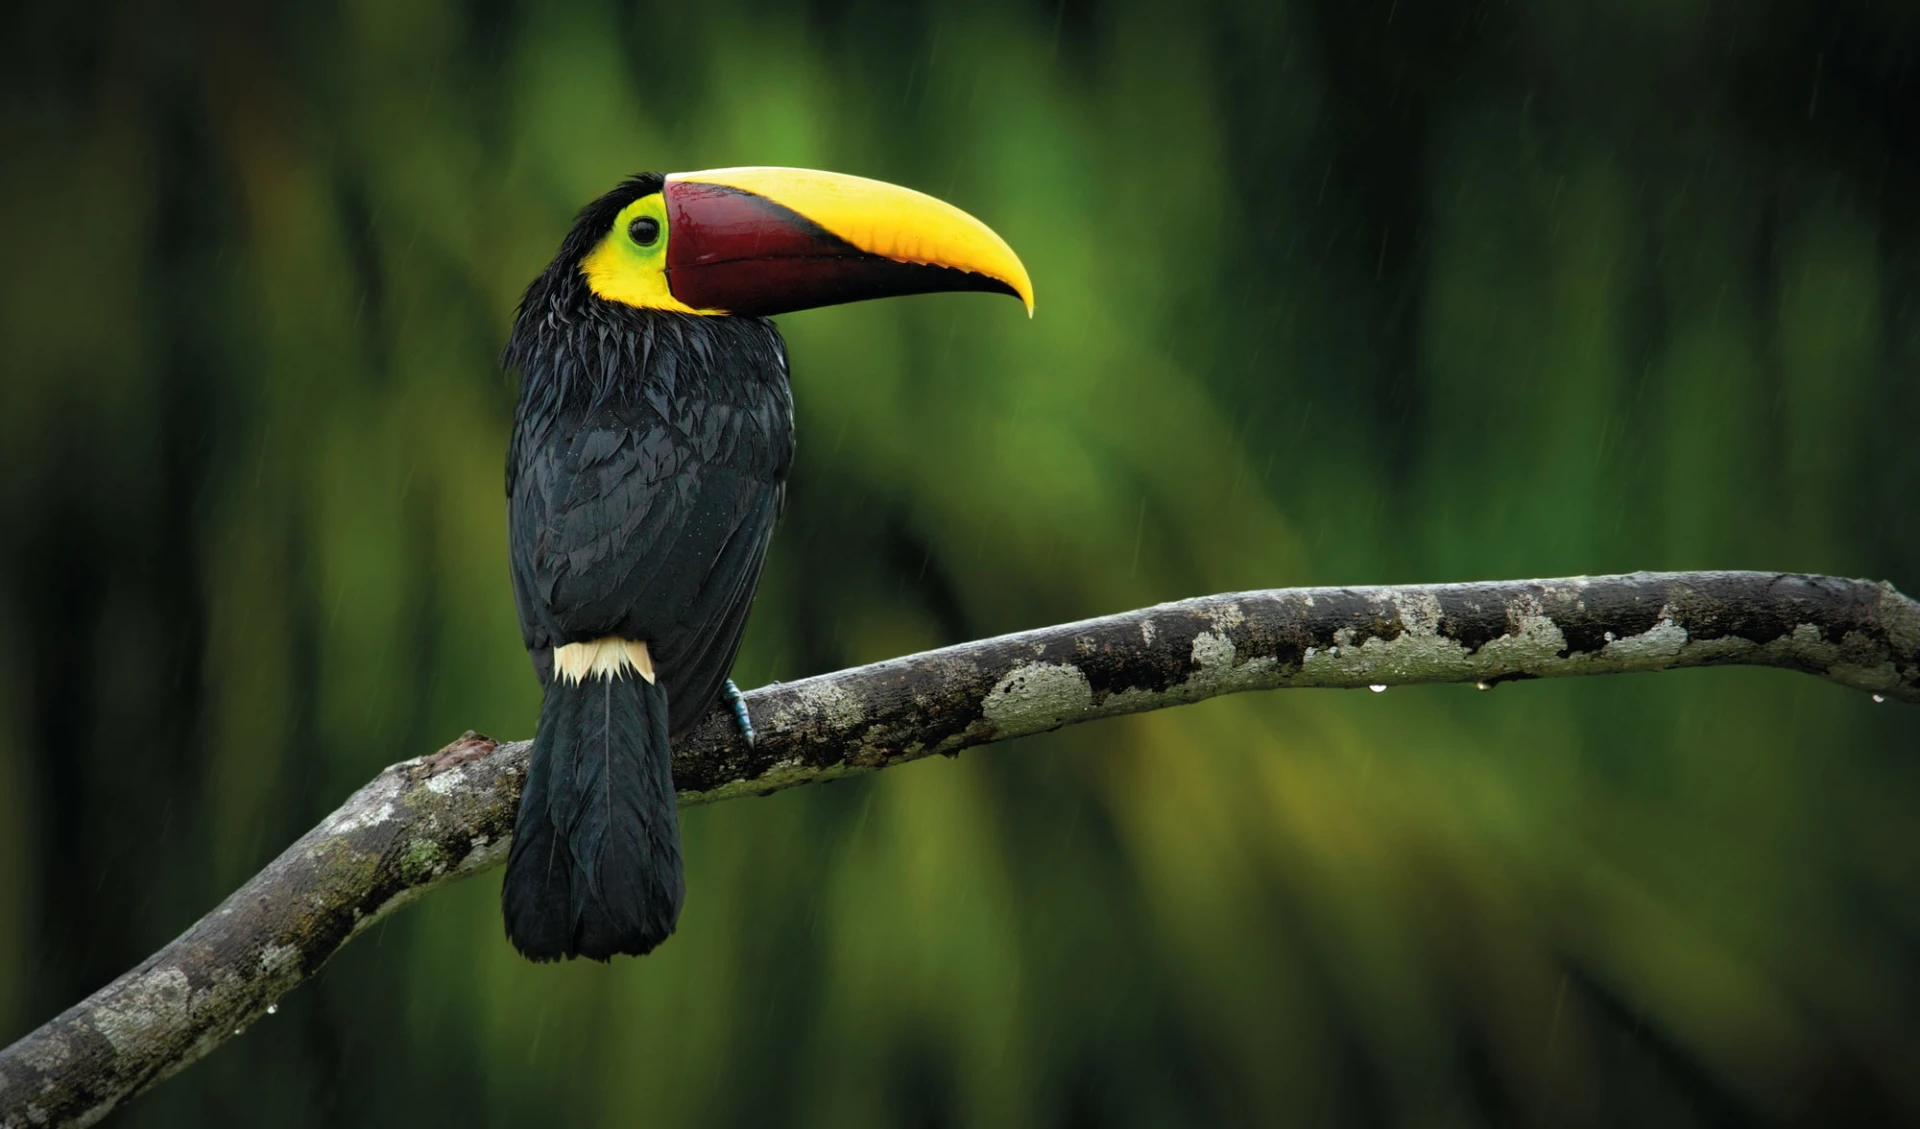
649	458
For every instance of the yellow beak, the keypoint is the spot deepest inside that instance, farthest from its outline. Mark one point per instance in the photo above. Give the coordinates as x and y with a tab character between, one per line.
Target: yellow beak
764	240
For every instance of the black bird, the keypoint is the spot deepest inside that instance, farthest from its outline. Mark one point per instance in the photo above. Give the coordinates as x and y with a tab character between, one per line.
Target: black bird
649	457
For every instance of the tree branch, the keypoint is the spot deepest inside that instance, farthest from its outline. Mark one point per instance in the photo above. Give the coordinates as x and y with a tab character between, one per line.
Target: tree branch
435	819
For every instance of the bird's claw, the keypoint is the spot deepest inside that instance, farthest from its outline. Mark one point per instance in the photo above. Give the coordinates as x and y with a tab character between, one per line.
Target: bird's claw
738	702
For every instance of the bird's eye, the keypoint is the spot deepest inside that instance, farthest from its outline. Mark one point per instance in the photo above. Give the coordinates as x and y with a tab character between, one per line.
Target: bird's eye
645	231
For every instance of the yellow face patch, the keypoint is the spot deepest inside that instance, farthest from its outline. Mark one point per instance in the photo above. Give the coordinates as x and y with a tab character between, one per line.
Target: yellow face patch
630	263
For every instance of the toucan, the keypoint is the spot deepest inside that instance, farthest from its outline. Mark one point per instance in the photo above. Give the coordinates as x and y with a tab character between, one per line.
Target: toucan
648	462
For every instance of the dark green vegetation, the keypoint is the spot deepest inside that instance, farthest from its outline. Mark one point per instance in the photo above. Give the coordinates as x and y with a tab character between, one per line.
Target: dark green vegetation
1328	293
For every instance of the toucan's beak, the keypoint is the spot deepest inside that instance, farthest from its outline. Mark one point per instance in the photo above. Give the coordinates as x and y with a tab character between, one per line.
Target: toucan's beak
763	241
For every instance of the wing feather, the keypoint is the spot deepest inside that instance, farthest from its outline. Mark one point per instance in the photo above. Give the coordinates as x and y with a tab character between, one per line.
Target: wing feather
648	516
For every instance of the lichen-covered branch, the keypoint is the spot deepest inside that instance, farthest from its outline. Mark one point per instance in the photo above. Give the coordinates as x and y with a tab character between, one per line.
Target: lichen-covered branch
433	820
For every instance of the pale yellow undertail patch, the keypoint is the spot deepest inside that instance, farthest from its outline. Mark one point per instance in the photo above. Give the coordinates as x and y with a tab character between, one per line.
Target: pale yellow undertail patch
609	656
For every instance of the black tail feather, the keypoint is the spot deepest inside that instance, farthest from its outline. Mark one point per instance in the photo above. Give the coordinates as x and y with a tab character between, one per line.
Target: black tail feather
595	866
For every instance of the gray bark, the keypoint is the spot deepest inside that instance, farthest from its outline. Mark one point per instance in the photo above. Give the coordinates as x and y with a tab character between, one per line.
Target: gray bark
432	820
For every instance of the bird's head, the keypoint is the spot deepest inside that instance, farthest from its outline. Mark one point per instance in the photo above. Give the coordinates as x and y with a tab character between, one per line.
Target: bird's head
759	241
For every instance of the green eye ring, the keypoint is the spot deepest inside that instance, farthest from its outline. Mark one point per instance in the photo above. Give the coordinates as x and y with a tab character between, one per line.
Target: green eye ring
644	231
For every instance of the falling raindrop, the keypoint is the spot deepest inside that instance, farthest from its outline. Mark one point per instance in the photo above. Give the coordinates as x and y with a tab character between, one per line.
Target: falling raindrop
1378	687
1879	697
273	1009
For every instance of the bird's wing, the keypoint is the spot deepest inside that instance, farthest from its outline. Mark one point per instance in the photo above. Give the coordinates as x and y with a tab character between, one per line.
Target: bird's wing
697	655
635	526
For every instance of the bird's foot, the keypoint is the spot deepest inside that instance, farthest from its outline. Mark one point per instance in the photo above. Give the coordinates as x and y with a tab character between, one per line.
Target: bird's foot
739	705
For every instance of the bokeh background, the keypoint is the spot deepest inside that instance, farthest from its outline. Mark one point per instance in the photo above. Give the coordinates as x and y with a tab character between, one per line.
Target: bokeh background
1330	292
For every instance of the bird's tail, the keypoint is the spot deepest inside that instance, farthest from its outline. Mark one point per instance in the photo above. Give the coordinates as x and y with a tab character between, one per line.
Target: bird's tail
595	866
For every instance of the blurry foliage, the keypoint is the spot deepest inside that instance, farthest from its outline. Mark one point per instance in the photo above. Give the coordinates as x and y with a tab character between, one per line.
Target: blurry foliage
1328	293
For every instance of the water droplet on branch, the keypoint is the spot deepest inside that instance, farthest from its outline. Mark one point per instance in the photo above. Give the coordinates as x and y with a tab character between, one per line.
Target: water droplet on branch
1378	687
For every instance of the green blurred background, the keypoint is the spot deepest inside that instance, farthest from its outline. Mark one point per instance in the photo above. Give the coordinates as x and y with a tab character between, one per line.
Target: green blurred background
1329	293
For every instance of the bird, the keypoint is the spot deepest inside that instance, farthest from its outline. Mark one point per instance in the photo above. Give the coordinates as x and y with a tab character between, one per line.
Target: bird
648	461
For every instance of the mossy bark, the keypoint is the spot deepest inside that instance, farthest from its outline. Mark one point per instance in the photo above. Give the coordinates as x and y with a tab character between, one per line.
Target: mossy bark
435	819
